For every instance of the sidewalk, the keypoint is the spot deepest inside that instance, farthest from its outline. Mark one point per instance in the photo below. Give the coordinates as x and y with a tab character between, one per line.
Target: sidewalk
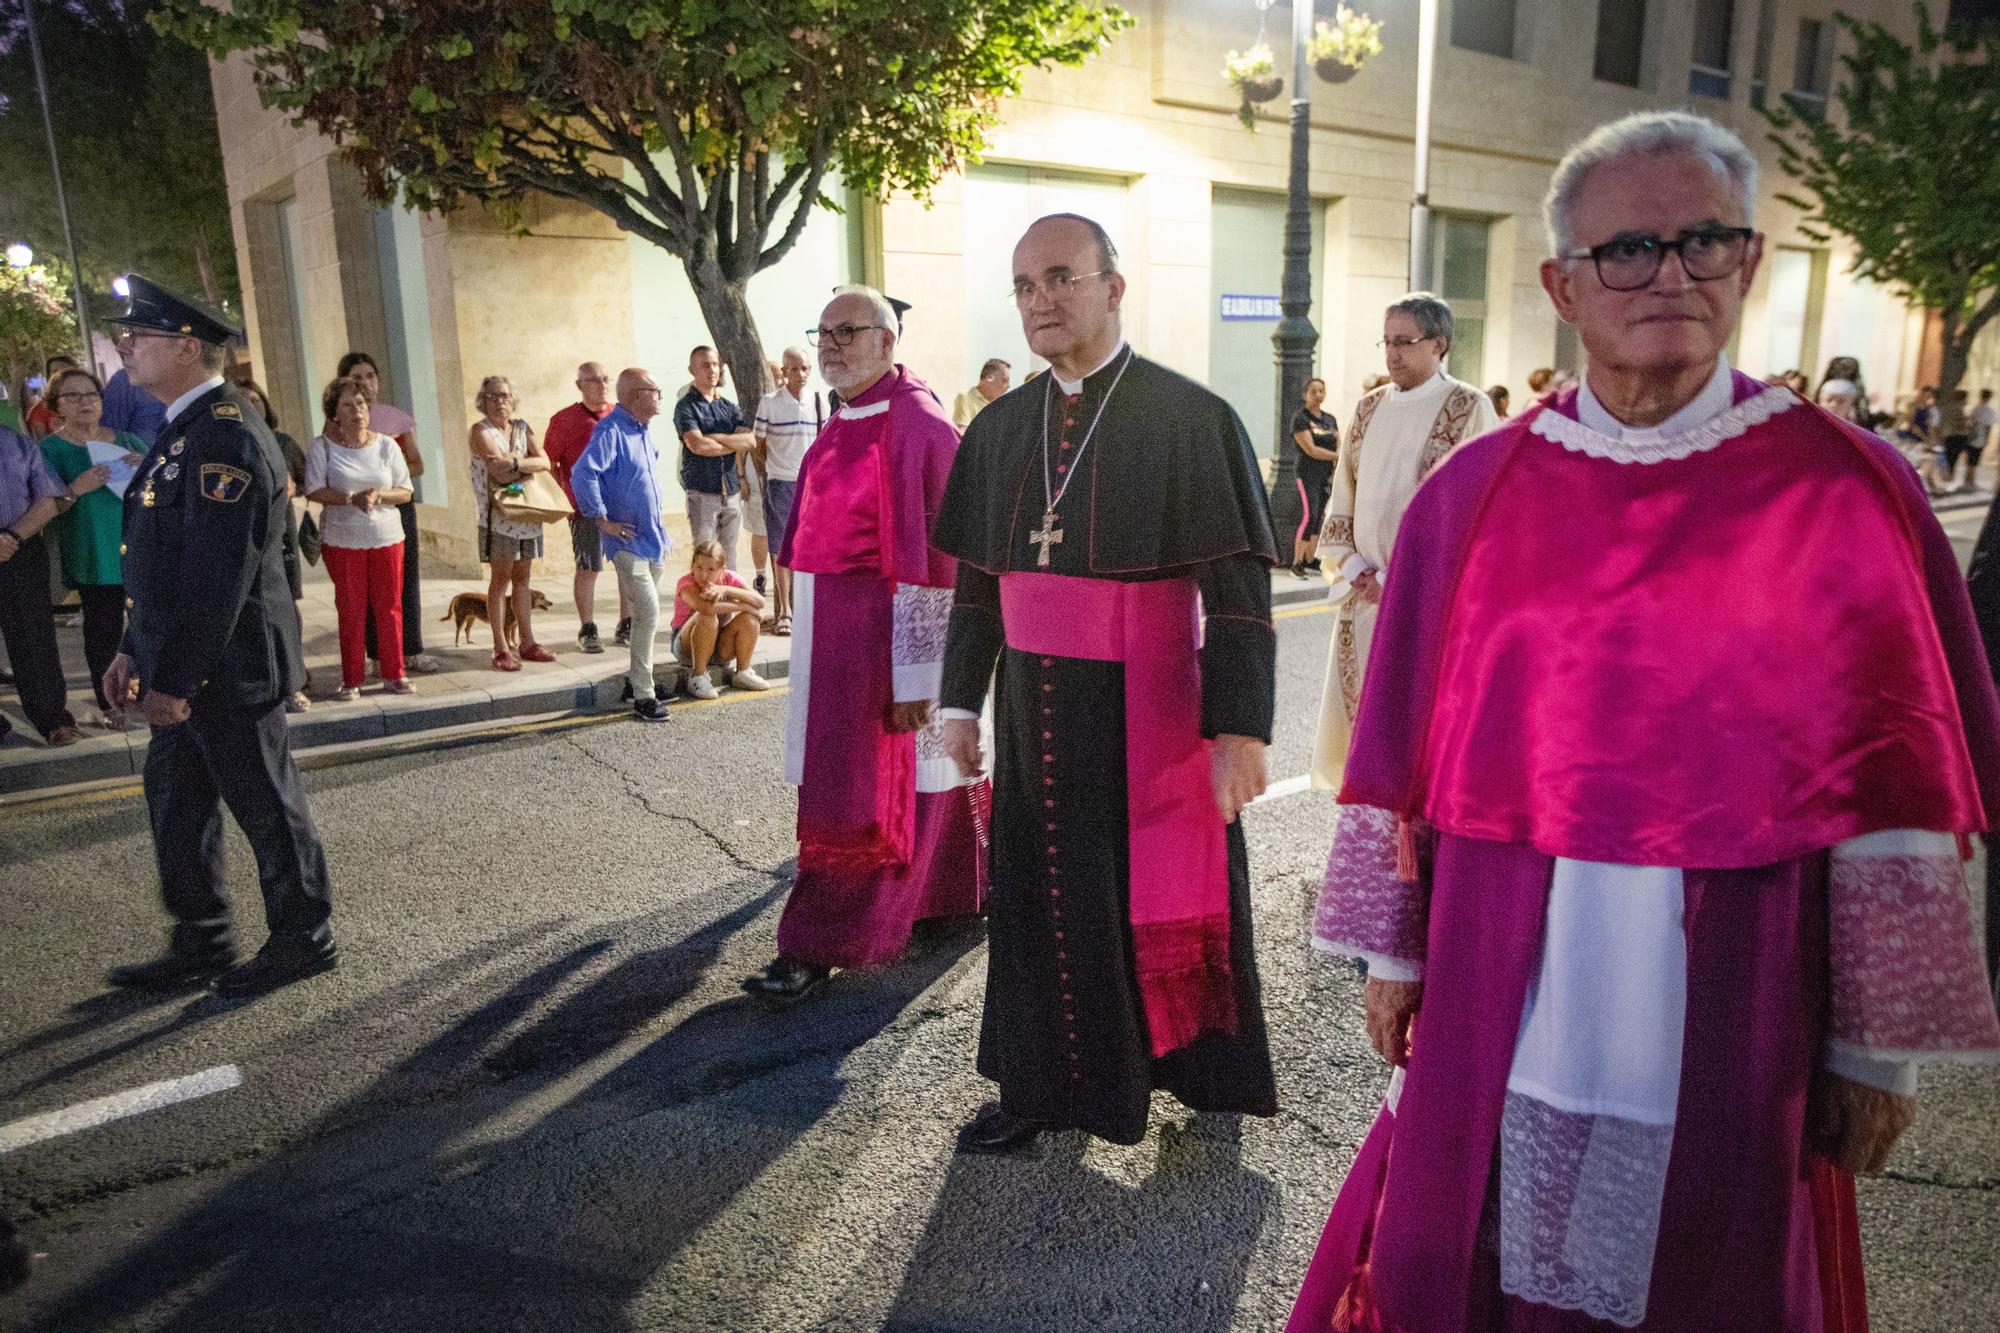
469	690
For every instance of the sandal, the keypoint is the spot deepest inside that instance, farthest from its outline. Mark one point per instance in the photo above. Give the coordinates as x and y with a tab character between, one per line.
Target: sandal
505	661
782	625
534	652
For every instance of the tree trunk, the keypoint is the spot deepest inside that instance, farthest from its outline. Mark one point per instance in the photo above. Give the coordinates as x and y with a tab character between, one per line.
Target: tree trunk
725	307
1956	355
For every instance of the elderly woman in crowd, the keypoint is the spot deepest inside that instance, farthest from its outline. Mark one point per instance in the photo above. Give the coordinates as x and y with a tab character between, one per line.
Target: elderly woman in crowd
295	485
401	427
359	475
504	450
90	519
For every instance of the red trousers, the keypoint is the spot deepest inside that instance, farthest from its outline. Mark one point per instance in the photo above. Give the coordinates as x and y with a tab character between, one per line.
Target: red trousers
364	581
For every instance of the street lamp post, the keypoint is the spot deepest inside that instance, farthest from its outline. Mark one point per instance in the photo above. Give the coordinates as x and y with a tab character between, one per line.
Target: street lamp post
1420	194
1295	339
55	165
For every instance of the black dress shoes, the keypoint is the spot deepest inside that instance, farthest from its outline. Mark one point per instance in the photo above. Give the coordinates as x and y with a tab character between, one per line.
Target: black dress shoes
786	981
276	965
172	970
995	1132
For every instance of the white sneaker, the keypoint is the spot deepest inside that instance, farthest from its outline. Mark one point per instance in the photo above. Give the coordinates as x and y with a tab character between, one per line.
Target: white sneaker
747	679
347	694
701	687
424	664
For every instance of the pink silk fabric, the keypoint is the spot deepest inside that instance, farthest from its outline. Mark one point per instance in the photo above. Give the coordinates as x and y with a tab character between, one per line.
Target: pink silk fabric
1179	860
1719	661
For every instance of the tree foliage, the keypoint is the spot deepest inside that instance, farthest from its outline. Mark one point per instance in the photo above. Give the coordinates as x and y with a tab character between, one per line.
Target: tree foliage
35	320
707	127
1909	170
135	124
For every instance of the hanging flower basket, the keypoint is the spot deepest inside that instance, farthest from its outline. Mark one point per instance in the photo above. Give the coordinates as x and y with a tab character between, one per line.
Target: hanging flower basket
1264	88
1339	49
1254	75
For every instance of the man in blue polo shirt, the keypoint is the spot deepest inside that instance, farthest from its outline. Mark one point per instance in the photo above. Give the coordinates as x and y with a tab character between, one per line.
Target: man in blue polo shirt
714	436
616	483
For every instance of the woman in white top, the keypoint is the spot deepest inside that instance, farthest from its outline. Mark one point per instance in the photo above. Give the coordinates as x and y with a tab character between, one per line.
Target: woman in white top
504	449
360	476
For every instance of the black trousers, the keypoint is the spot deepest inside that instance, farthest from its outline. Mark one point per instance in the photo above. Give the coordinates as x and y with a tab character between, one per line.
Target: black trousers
30	632
413	612
103	627
241	758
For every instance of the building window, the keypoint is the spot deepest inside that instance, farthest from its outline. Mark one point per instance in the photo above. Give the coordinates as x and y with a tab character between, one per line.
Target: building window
1760	60
1812	69
1460	249
1708	65
1621	36
1484	25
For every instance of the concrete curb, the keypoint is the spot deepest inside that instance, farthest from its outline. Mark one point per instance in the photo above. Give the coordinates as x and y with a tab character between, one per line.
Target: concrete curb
382	722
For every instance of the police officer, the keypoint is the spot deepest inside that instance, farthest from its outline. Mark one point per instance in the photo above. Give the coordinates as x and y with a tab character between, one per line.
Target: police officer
211	650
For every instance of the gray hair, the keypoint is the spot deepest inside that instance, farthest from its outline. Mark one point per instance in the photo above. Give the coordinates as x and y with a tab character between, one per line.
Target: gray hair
1648	132
1433	316
885	314
799	354
486	386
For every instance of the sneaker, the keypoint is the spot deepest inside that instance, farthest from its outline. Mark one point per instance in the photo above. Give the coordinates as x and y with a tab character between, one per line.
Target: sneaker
747	679
586	639
623	634
67	733
347	694
114	719
758	583
650	710
297	702
398	687
701	687
424	664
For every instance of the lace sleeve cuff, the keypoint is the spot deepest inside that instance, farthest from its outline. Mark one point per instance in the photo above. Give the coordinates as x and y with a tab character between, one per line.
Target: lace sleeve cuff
1365	911
1908	979
920	617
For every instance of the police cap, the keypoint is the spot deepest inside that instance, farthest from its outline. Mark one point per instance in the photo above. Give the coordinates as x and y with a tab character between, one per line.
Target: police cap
151	306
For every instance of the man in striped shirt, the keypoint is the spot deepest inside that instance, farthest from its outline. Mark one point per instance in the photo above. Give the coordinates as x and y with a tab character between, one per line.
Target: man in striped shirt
785	427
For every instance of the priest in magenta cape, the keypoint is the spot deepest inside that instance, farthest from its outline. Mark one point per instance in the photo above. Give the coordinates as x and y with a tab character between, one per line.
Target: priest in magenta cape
1114	550
1650	832
890	833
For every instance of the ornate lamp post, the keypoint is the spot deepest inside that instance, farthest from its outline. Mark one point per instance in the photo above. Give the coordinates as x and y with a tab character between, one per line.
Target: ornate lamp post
1336	51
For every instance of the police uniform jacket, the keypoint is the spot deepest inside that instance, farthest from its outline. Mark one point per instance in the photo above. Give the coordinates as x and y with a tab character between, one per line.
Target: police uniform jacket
210	616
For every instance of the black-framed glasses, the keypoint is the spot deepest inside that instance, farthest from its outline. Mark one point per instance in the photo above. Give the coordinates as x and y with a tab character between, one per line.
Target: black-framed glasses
840	336
80	396
1631	259
1058	285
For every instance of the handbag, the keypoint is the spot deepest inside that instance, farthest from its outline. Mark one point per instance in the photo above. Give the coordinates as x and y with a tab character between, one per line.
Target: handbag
309	539
533	497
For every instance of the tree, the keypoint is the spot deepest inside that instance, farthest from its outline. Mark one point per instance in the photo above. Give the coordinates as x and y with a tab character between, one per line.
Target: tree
707	127
135	123
1907	171
35	320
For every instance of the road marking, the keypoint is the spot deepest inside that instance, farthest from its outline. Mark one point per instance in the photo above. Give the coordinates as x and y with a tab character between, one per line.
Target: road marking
103	1110
1278	791
1287	614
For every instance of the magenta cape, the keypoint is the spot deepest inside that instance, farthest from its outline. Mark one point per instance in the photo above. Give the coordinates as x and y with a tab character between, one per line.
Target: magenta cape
867	491
1179	860
1723	660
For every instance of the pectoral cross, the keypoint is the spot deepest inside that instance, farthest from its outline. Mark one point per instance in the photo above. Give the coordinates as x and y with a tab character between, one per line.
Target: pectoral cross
1049	536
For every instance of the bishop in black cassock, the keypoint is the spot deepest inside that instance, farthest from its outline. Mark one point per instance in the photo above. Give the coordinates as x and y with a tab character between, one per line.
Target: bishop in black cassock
1114	548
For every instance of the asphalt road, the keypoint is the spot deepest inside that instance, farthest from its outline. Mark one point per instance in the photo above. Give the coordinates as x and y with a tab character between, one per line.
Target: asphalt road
532	1097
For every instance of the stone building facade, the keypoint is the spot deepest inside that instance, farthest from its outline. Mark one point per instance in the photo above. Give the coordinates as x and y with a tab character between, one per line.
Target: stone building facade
1145	139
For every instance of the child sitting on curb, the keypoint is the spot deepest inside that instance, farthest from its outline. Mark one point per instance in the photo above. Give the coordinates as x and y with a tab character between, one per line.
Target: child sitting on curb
715	615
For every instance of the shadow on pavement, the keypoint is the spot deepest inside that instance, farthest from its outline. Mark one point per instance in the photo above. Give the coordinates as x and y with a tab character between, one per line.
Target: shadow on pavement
1086	1251
504	1191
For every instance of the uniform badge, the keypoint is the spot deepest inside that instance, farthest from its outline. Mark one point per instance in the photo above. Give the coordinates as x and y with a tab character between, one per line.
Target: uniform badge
222	483
170	471
228	411
146	496
178	446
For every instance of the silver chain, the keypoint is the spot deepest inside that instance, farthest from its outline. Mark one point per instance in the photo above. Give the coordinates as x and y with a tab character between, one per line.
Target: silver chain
1051	492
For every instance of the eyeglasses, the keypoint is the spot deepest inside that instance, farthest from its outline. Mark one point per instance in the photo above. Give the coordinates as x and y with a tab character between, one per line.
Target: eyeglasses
127	336
80	396
841	336
1058	285
1632	259
1400	344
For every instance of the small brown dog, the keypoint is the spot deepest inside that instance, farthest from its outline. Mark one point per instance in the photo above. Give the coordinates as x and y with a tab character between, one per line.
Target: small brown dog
468	607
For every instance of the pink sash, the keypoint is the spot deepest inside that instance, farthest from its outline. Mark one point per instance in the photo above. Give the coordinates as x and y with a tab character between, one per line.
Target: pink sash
1179	855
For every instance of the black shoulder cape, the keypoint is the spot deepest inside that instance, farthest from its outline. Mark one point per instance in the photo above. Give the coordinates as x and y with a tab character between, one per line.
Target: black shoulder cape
1172	479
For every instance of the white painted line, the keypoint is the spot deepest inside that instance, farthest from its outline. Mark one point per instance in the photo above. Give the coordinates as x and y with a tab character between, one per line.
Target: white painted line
1278	791
103	1110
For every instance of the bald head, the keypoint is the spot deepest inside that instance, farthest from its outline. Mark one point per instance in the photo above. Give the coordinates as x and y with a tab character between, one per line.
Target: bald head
593	384
639	393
